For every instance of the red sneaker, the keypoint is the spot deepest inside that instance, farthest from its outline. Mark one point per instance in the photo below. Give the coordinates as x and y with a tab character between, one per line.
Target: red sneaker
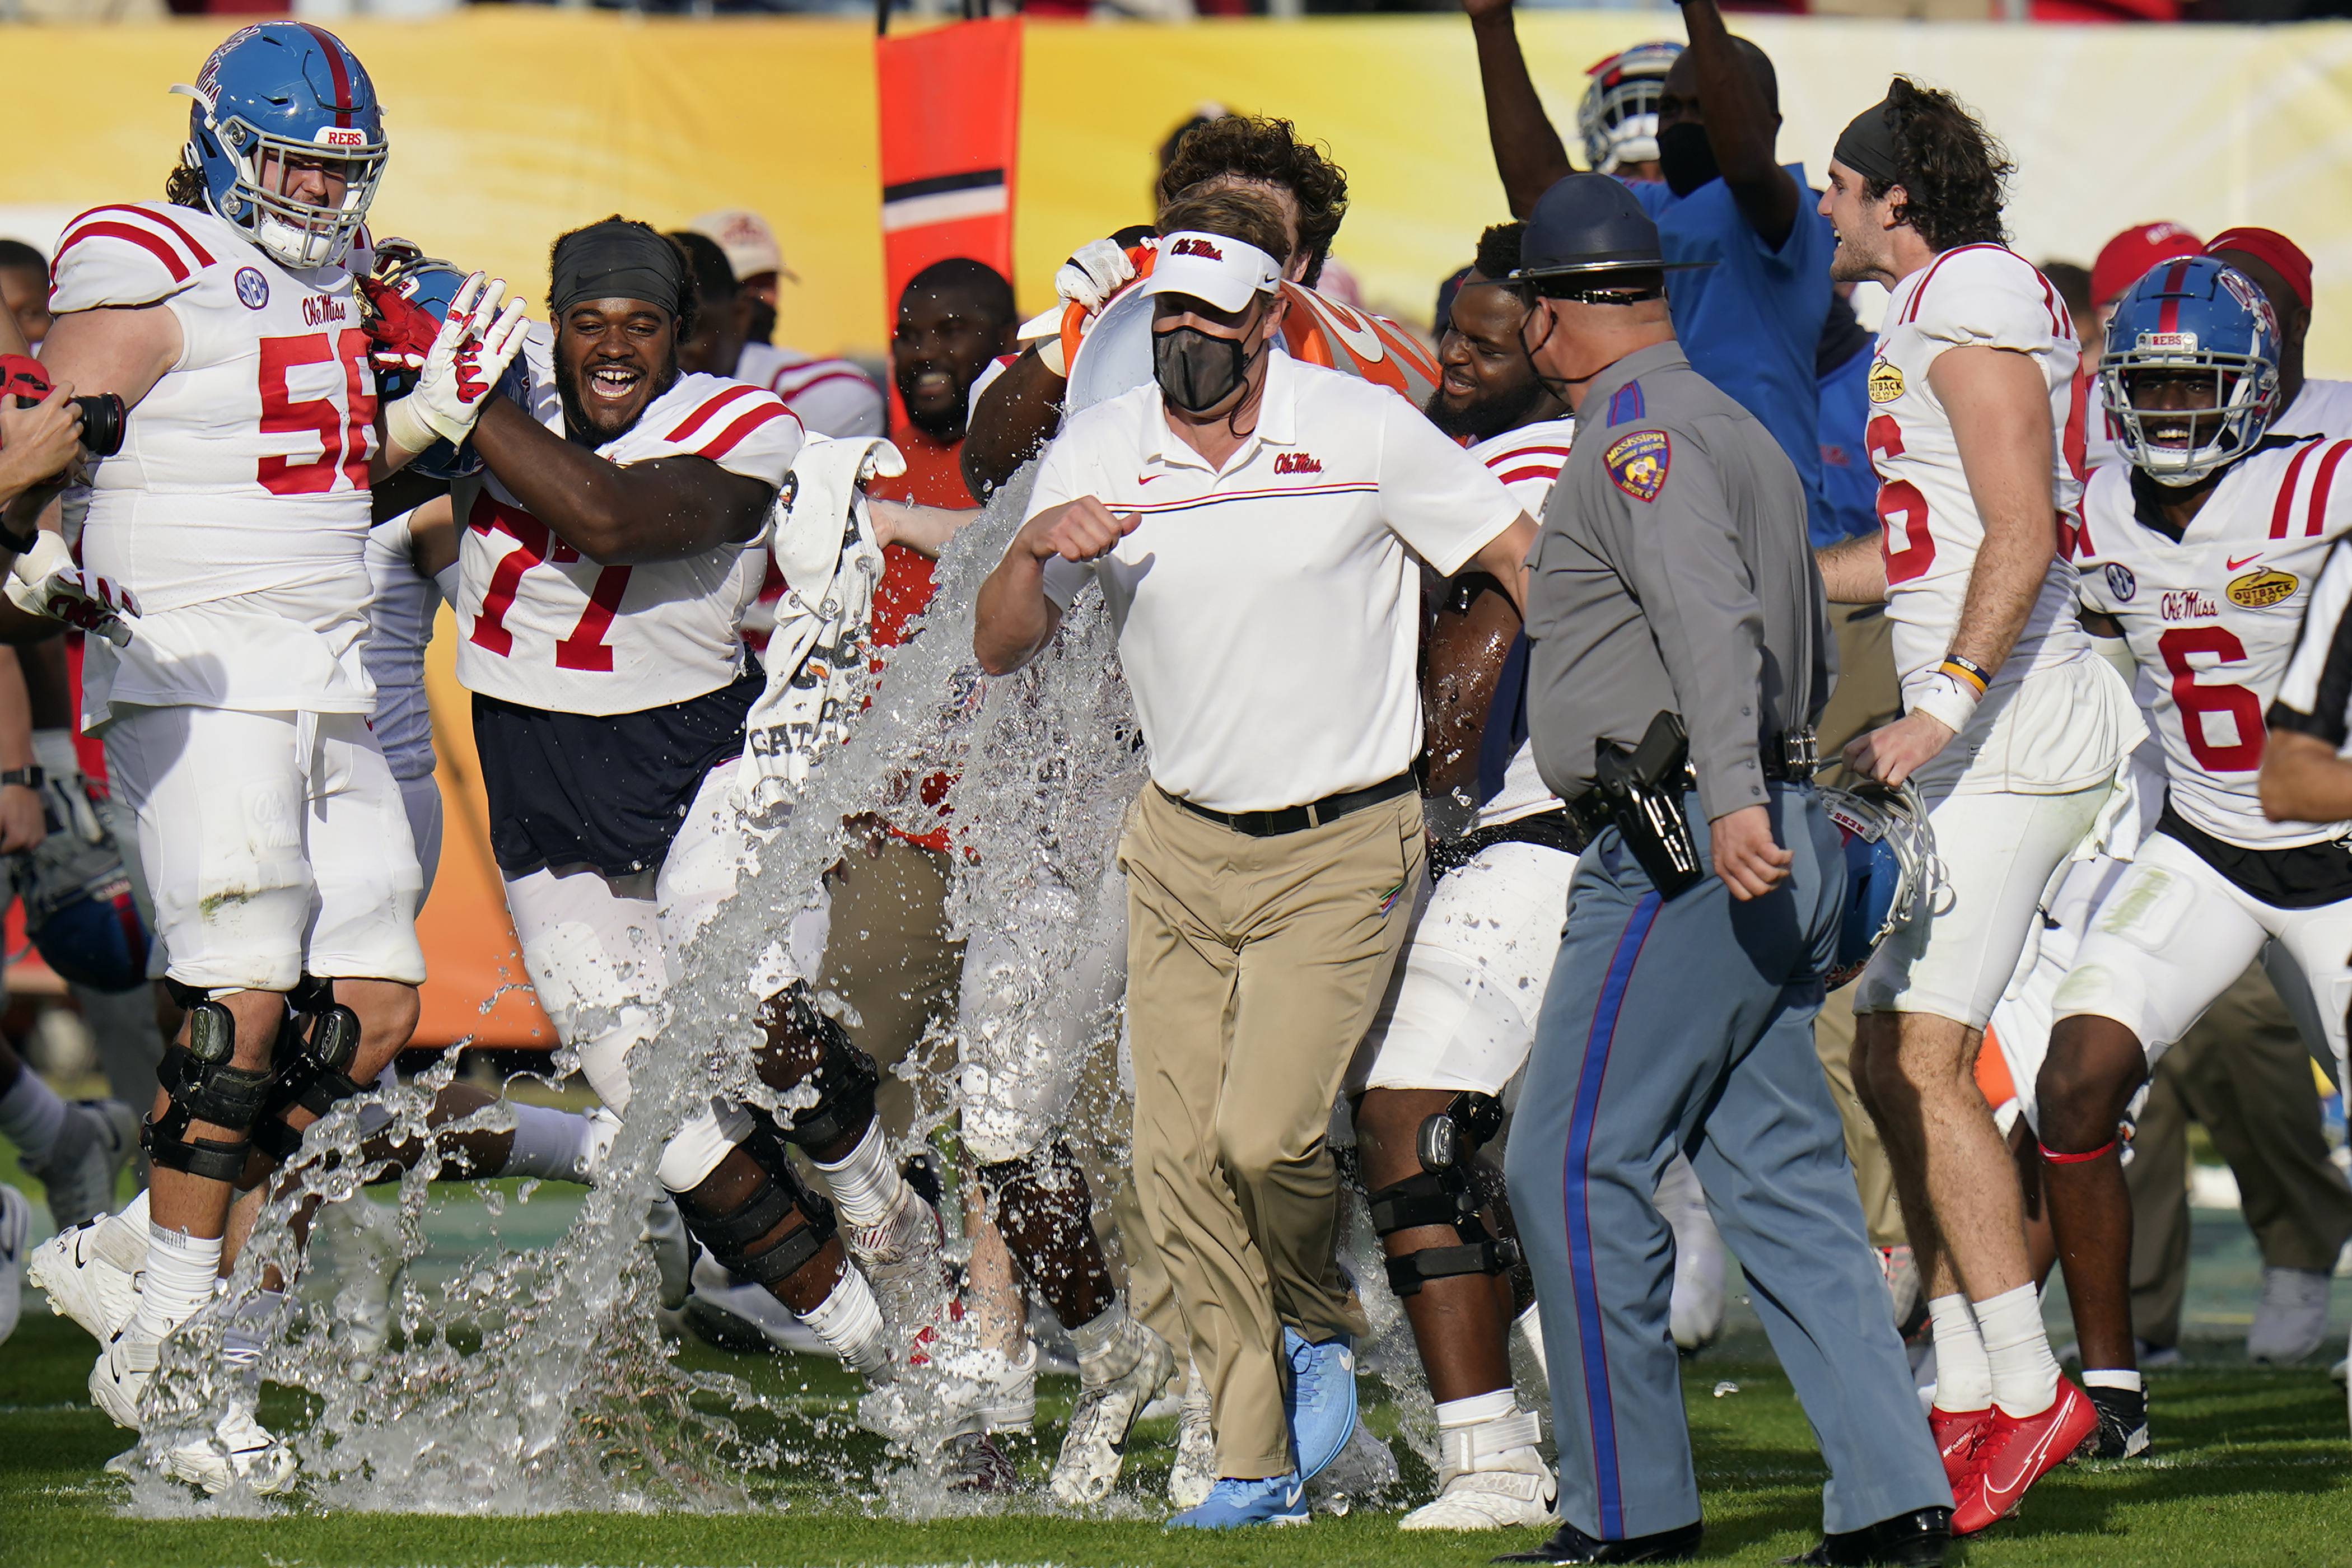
2017	1451
1957	1435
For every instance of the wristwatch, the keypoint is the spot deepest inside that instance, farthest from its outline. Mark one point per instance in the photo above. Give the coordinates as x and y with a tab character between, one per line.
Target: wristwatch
30	778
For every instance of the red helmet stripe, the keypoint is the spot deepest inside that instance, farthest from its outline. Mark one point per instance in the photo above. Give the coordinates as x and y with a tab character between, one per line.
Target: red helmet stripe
342	78
2168	315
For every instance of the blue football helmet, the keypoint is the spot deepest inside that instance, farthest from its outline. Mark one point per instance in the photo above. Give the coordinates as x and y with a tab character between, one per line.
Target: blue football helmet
1618	116
1890	867
434	284
278	90
78	908
2191	318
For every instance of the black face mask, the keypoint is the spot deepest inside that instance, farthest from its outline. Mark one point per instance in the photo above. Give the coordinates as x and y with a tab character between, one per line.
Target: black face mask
1685	158
1196	371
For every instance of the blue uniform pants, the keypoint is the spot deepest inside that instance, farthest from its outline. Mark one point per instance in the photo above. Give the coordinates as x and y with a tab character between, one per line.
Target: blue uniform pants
1689	1024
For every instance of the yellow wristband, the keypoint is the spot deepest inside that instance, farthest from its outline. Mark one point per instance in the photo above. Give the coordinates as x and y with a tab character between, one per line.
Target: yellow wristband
1967	670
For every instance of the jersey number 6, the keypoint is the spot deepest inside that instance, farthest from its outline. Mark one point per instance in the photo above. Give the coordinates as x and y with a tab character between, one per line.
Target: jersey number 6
2245	710
1900	504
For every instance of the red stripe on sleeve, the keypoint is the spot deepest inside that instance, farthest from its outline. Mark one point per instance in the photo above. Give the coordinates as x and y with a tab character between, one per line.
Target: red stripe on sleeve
204	257
1513	453
704	414
1533	471
155	244
726	439
2283	507
2319	488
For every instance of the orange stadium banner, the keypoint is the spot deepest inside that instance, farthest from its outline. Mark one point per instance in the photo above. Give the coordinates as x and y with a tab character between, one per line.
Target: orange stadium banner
950	110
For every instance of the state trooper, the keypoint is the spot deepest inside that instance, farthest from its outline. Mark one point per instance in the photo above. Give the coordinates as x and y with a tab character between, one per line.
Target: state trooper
1680	653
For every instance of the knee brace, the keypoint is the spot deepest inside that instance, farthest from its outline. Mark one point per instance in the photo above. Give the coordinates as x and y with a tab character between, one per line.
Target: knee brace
779	1193
202	1085
845	1078
313	1063
1445	1192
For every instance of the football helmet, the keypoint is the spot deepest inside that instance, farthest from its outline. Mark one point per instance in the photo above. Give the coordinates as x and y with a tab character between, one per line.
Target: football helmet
433	283
2191	318
1890	865
78	908
281	91
1618	117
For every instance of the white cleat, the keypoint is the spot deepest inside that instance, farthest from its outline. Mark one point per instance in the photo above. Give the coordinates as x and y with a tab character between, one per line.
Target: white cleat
896	1253
964	1394
1195	1470
91	1273
1489	1478
240	1449
16	1224
1132	1372
125	1367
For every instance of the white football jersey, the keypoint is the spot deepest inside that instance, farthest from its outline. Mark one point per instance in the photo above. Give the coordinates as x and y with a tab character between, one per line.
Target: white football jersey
1527	460
245	469
2211	619
1972	295
546	629
828	396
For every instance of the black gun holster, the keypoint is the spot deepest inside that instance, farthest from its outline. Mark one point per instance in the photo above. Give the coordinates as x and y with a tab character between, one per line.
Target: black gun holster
1644	789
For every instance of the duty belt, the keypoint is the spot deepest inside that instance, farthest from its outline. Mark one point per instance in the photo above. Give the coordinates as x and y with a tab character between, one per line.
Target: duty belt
1551	830
1791	757
1298	818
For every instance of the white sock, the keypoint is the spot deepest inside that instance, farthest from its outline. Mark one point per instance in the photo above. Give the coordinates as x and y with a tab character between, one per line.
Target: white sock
1963	1377
849	1322
1108	1344
1531	1326
2113	1377
1476	1410
551	1144
2017	1347
31	1117
865	1186
181	1269
241	1336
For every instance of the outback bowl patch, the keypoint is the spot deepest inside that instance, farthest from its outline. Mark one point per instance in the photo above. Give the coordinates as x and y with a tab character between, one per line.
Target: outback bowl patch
1886	382
1639	462
2261	590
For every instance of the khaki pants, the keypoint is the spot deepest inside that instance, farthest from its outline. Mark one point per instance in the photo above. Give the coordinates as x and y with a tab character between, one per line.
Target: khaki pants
889	957
2243	1073
1254	966
1867	696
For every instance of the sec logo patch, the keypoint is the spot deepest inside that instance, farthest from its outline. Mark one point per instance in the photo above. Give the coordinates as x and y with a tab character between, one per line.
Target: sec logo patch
1886	382
2120	581
1639	463
252	289
2261	590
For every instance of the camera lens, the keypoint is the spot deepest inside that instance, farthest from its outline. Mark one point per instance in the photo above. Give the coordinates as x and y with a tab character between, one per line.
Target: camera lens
101	424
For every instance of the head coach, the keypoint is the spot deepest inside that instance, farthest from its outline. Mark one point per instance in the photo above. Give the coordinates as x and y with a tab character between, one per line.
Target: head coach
1679	653
1252	522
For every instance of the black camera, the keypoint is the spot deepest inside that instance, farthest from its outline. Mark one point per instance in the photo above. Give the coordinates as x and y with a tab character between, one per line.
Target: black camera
103	414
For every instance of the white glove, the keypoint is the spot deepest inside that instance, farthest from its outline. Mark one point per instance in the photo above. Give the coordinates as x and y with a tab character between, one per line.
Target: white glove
47	581
1090	278
476	342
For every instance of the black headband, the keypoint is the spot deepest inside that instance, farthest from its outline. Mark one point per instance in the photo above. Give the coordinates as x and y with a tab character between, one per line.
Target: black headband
1867	145
617	260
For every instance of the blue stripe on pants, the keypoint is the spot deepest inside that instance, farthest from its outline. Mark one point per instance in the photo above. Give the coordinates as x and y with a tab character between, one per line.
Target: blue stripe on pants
1579	1216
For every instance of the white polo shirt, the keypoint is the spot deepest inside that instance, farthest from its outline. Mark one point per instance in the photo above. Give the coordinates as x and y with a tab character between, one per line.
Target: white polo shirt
1268	613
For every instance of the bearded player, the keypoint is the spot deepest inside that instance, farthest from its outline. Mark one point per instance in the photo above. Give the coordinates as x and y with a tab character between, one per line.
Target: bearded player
2202	553
2012	732
606	558
234	715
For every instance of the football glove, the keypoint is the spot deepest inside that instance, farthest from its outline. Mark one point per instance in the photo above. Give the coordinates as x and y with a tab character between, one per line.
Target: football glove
470	352
1090	278
46	581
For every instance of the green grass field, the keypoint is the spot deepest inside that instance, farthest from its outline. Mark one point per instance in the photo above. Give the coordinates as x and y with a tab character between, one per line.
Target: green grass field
2252	1469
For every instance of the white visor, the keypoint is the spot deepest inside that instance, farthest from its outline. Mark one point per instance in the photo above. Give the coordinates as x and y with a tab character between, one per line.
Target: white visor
1225	272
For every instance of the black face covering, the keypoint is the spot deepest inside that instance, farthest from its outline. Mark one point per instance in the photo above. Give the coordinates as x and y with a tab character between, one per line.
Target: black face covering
1195	370
1685	157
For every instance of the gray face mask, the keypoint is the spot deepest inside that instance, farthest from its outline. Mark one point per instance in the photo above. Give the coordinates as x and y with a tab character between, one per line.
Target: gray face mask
1195	370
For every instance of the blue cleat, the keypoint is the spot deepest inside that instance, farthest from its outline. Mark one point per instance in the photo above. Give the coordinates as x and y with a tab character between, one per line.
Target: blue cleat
1320	1402
1277	1500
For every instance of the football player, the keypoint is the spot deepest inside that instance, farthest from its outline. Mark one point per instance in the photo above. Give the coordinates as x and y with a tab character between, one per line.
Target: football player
606	556
2202	554
2012	732
235	717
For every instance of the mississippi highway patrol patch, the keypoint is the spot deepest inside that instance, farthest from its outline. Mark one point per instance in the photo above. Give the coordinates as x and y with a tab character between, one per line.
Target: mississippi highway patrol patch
1639	462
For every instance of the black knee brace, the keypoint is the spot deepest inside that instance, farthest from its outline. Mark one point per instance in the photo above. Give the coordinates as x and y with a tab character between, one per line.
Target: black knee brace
313	1063
203	1087
770	1204
1445	1192
844	1077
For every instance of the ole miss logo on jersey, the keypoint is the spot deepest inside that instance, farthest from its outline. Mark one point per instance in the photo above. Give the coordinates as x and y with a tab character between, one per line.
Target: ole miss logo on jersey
1298	463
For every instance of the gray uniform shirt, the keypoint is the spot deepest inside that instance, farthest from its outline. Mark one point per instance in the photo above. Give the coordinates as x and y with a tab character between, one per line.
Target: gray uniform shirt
1673	571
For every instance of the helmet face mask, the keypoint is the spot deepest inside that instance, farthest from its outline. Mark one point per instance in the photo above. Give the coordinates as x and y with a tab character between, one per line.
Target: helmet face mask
1618	116
2190	373
272	100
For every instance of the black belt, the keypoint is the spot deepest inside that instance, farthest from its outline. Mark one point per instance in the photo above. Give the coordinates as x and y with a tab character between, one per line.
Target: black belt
1789	758
1298	818
1550	830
